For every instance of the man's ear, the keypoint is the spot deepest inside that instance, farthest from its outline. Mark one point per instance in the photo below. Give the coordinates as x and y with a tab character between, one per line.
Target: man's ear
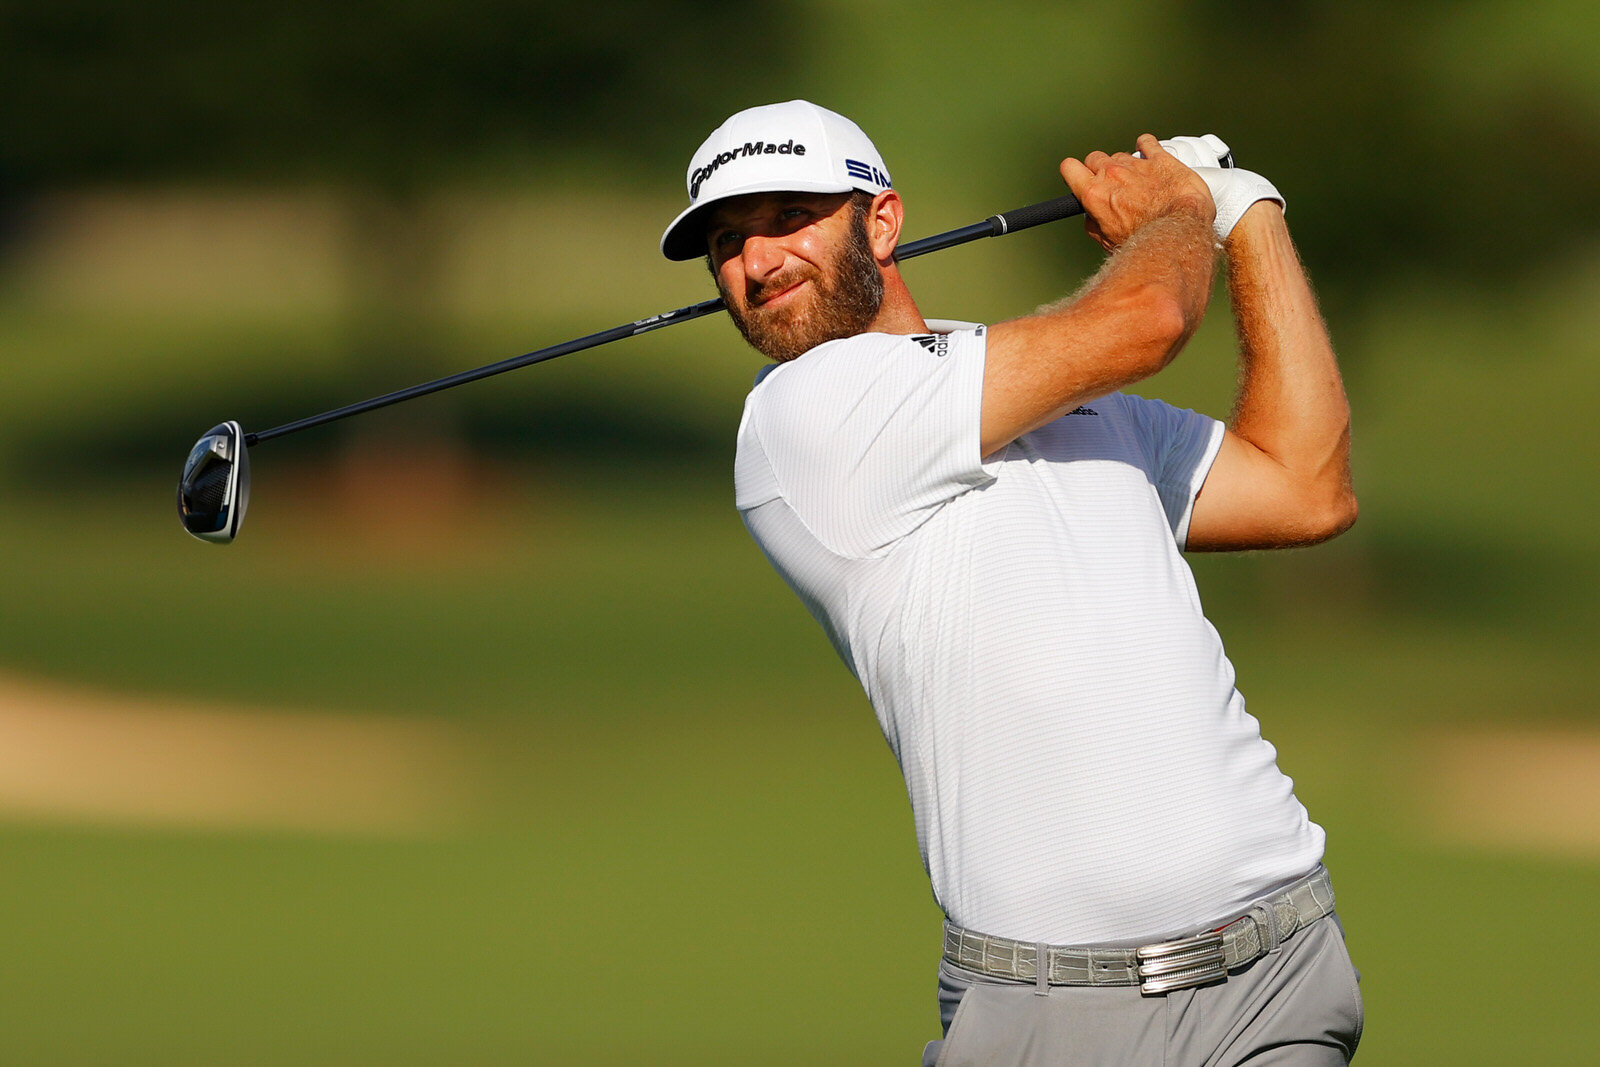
884	219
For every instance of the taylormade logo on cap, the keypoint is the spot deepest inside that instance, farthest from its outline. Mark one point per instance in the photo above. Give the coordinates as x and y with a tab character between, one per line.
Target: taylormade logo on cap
789	147
750	148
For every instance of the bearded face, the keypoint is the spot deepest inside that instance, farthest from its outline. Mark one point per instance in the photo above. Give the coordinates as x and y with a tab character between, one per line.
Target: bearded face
844	294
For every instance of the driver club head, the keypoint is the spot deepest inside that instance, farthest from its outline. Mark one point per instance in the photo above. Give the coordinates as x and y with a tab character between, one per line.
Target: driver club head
215	488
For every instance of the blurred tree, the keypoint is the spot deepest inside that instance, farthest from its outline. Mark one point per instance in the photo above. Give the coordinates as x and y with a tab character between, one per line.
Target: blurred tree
1405	147
391	93
1449	140
383	99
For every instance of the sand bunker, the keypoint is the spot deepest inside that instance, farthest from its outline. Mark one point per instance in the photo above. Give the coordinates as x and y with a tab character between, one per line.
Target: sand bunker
86	756
1513	789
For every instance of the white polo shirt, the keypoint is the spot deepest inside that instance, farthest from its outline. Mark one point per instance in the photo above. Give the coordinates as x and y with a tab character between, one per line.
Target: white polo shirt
1080	766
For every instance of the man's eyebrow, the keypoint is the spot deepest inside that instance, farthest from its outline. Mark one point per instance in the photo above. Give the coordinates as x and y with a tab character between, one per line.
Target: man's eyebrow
721	219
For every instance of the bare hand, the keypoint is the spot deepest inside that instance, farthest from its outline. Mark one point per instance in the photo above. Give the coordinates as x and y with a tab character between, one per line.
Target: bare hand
1121	193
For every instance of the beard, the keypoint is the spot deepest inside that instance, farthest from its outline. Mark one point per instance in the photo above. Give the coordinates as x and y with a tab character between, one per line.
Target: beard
846	293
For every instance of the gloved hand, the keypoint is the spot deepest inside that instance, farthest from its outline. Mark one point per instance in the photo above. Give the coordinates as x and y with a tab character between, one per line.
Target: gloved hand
1196	152
1232	190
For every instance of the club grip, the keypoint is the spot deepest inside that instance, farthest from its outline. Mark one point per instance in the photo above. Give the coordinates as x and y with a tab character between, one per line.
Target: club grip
1038	214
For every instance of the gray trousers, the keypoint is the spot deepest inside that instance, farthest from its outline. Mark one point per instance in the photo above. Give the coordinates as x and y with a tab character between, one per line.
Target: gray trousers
1299	1005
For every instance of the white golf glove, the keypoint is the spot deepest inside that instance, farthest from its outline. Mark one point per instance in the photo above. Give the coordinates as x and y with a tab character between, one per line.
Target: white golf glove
1197	152
1232	190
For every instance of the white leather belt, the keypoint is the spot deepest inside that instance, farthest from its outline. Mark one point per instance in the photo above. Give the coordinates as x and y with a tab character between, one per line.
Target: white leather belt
1159	968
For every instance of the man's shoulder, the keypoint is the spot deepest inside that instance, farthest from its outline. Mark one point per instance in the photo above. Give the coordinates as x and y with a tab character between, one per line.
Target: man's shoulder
937	339
827	366
942	337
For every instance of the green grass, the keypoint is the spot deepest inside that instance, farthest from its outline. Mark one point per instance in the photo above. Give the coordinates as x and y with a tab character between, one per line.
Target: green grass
682	777
615	923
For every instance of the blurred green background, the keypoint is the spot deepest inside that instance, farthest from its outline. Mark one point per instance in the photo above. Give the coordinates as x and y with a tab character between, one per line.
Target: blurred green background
494	740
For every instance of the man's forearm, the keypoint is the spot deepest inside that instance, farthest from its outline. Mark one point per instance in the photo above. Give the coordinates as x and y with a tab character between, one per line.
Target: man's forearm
1123	326
1291	402
1177	252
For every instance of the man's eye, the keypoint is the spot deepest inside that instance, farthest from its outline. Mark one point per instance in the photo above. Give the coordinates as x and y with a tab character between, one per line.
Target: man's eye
725	239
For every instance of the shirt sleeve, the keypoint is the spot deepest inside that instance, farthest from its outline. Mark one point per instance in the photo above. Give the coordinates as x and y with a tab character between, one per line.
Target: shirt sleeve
1180	446
866	437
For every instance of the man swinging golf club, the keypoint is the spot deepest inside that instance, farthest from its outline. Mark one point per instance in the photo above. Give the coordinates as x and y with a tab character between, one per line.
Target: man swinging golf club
991	533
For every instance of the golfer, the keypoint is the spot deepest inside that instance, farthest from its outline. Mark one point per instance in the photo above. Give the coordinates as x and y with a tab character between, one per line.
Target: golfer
991	533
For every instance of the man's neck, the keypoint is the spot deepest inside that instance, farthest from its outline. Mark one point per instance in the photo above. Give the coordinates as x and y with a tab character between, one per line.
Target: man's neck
898	313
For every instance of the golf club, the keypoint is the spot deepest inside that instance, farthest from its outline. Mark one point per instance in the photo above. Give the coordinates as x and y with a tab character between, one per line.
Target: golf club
214	490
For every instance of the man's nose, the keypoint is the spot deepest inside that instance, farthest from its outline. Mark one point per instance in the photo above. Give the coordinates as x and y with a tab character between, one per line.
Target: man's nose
763	256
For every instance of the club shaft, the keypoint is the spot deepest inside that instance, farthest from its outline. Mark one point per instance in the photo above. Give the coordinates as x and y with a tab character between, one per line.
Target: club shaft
994	226
593	340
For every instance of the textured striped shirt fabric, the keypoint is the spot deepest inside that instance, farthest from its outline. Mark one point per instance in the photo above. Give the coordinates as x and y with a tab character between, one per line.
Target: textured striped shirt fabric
1080	765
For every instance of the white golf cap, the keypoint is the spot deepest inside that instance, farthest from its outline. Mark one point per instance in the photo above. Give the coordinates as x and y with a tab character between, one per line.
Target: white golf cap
790	147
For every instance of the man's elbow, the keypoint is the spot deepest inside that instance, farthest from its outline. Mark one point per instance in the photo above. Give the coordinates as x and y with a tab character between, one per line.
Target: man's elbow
1332	515
1159	324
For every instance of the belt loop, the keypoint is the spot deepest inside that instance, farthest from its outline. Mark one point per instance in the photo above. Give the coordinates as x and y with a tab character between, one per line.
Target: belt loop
1041	969
1266	920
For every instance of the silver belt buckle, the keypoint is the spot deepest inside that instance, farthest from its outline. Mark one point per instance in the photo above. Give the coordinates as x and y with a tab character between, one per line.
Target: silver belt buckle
1181	964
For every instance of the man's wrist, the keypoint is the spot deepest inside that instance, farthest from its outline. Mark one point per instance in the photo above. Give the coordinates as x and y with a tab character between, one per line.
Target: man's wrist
1190	217
1235	192
1198	206
1259	218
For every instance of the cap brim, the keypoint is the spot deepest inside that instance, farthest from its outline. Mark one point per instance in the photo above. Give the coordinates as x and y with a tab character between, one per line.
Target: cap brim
685	238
